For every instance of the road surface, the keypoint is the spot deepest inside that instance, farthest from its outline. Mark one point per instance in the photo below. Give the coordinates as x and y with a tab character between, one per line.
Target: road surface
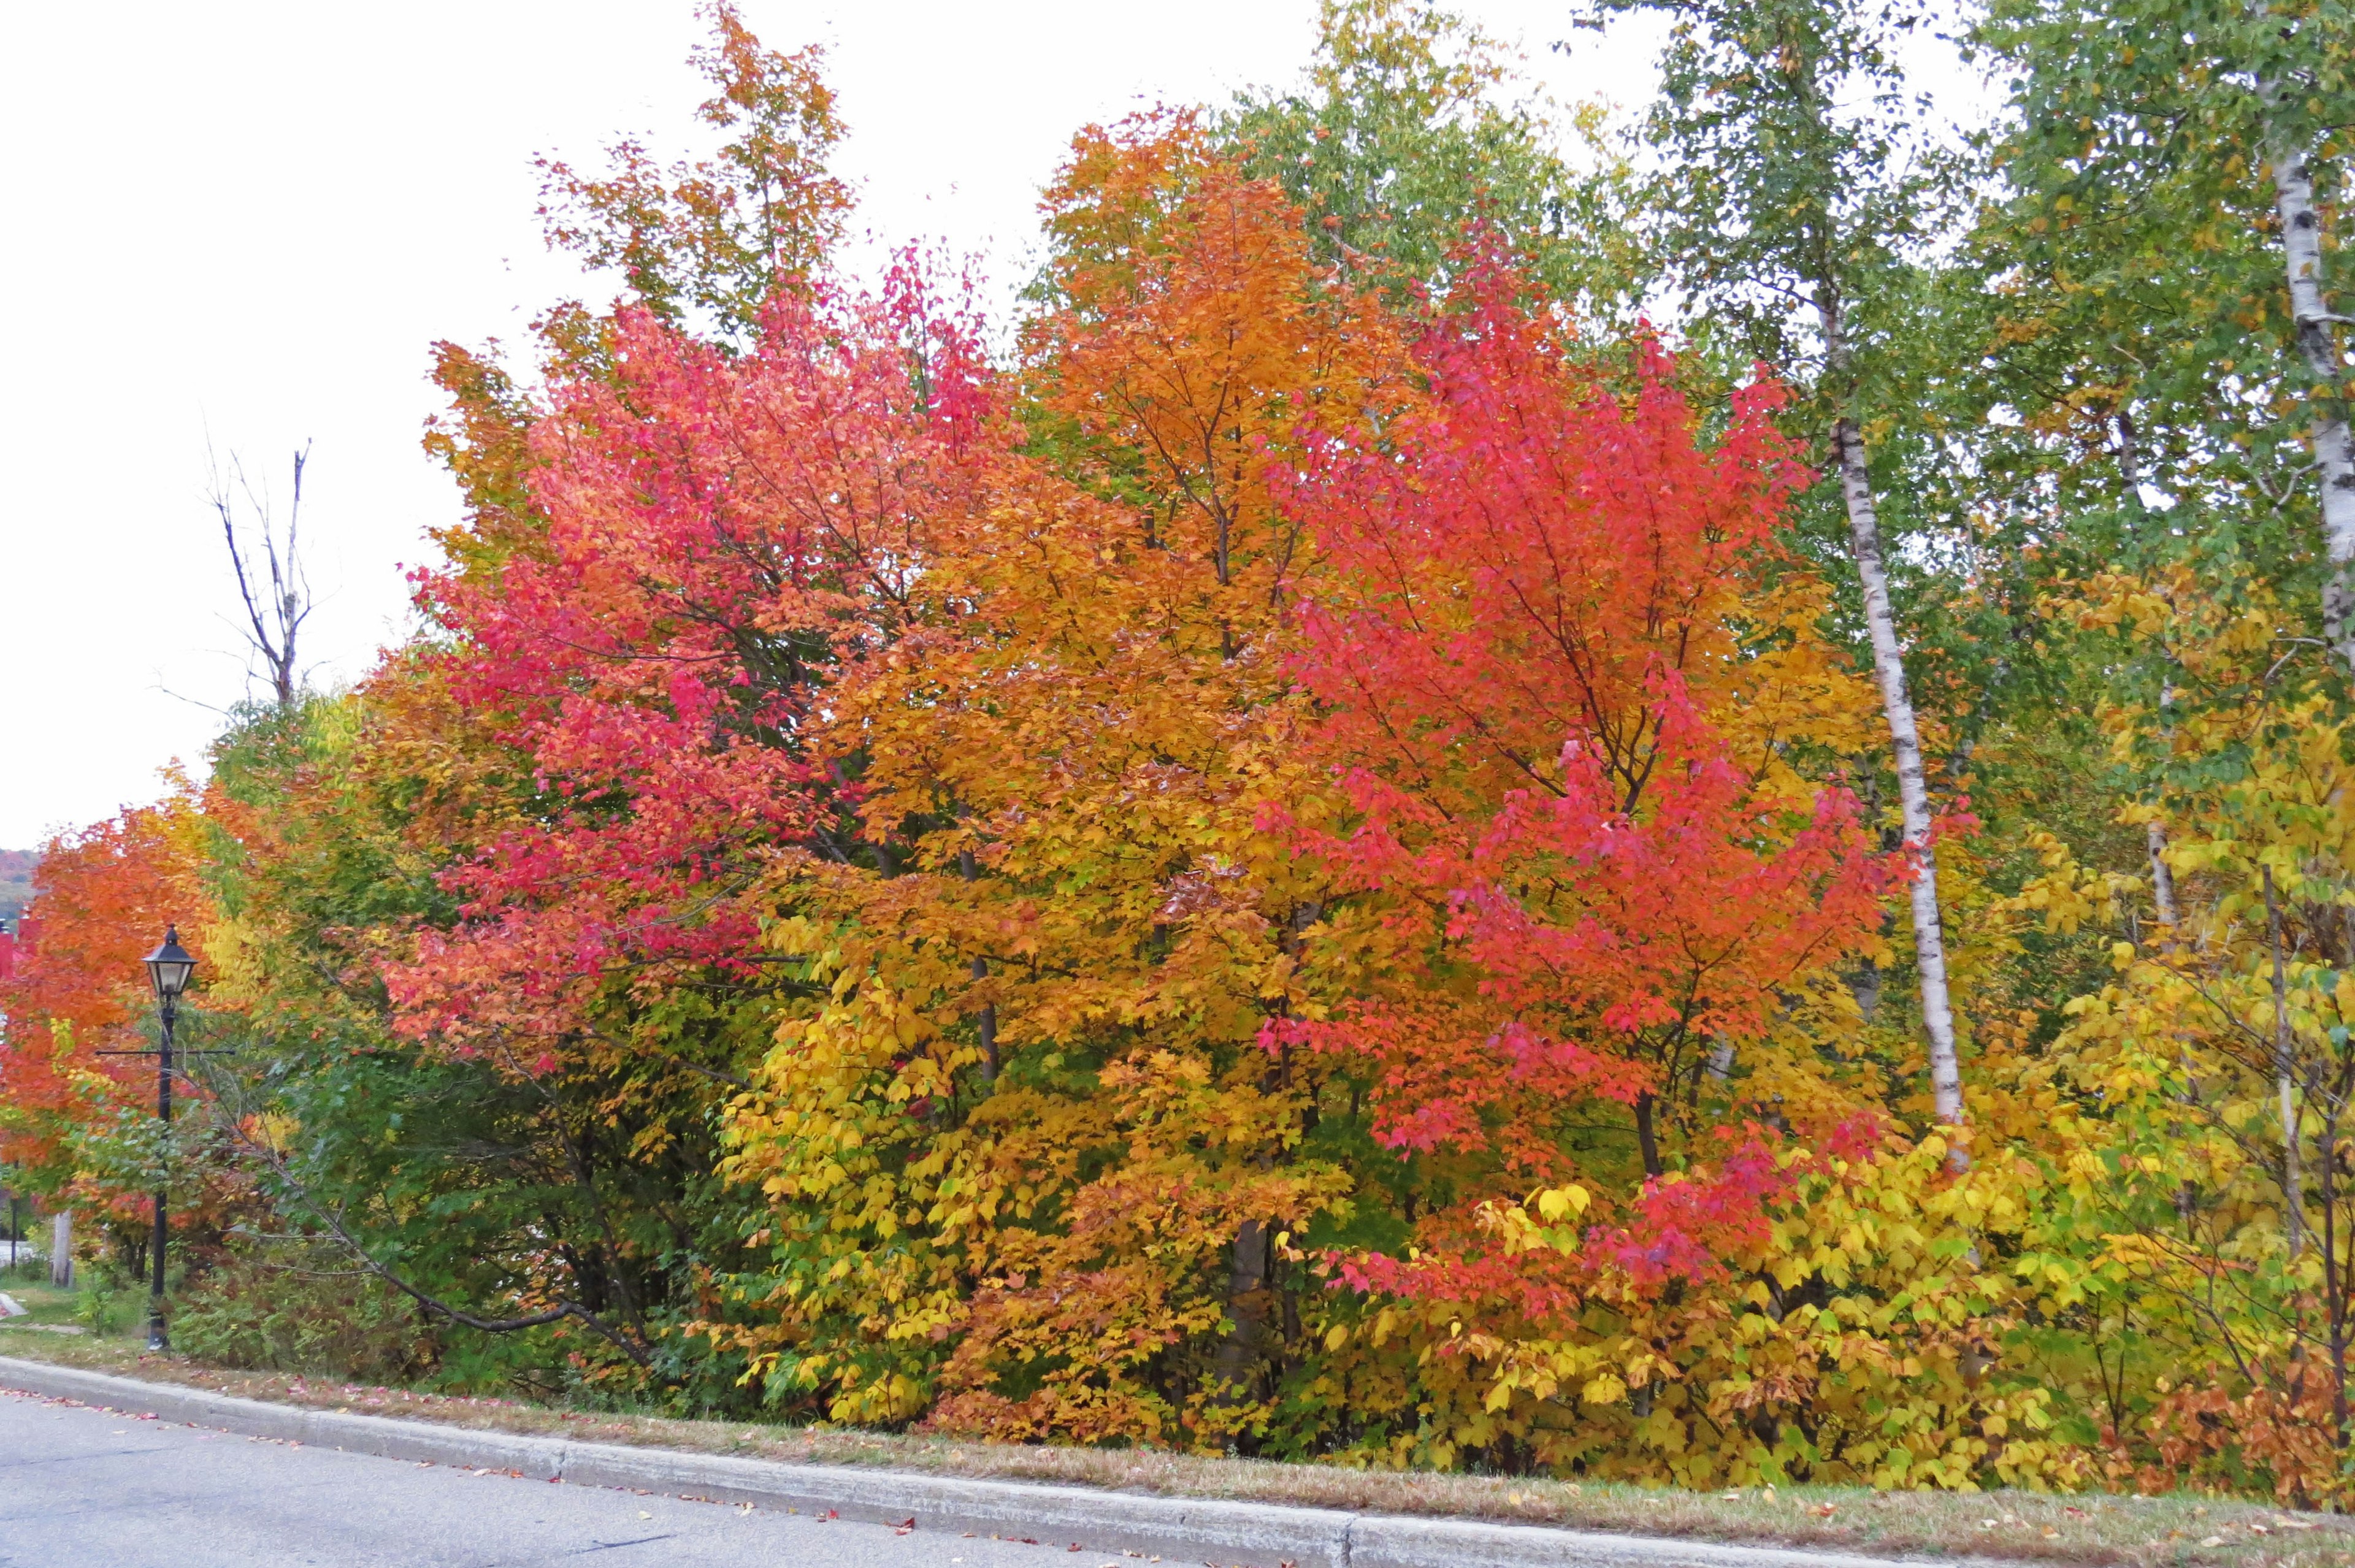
85	1489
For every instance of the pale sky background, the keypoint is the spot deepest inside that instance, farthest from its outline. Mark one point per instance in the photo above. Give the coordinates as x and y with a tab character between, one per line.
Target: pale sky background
254	218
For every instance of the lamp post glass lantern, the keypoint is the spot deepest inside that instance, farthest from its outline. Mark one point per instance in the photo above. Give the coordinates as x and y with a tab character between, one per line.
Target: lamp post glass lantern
168	969
169	966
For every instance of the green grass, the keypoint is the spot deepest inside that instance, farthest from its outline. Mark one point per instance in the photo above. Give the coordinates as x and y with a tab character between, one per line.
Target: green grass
48	1310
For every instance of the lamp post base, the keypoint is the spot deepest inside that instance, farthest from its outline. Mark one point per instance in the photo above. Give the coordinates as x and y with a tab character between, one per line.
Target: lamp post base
158	1339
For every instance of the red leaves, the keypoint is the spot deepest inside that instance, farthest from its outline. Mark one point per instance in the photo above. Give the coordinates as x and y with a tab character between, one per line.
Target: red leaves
722	537
1685	1228
1539	657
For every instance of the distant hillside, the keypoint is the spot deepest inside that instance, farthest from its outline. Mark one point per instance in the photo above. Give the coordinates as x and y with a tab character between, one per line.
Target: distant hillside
15	879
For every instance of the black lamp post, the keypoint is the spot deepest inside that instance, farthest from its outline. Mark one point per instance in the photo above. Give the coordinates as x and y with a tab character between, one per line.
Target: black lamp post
168	968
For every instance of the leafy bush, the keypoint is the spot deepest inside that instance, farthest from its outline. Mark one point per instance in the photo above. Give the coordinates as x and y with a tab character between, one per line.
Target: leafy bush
100	1309
302	1309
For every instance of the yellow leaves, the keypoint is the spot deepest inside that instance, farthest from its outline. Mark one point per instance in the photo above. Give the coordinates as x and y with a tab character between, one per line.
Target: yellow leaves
2067	895
1554	1203
272	1130
1605	1389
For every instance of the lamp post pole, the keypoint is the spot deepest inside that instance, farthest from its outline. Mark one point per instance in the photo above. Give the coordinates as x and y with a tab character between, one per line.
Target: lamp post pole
168	968
158	1338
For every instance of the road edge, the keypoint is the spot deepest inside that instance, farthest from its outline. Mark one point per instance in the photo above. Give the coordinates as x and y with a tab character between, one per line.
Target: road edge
1246	1535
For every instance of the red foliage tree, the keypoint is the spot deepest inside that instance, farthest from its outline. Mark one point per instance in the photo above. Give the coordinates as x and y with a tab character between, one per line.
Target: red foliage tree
719	535
1562	661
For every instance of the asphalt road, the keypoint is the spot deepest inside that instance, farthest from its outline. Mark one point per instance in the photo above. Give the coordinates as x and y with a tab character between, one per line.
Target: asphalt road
85	1489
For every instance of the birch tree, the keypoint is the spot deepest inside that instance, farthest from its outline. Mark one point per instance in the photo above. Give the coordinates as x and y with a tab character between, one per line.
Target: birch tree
1788	204
2173	169
2301	58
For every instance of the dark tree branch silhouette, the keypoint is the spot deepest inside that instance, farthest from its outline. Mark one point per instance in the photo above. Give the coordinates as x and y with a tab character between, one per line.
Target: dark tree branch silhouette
272	586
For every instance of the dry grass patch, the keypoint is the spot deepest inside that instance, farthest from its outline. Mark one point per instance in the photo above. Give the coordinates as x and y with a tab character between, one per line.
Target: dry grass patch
2018	1526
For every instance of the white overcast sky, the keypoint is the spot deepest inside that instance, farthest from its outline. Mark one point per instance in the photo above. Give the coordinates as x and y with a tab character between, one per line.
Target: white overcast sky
254	218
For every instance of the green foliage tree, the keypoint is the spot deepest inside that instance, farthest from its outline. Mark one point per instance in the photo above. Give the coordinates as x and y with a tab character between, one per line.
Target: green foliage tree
1412	129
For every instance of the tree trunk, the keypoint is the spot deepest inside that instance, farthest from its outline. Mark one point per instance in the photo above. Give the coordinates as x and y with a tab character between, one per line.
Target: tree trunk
2317	341
1247	1300
1647	1141
61	1270
1721	1059
2162	879
1912	787
2162	876
2292	1197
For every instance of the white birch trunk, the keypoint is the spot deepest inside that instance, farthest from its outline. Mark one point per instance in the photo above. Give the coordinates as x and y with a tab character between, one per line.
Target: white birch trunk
1913	786
2162	879
2284	1081
1721	1059
61	1250
2317	340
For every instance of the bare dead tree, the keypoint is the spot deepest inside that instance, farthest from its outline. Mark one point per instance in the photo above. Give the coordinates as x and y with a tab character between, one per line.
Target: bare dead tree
277	608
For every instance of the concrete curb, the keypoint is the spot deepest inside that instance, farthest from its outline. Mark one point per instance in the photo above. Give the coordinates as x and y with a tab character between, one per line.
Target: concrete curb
1196	1529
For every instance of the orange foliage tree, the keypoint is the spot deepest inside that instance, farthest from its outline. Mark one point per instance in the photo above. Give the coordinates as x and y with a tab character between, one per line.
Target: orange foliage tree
103	898
1029	1163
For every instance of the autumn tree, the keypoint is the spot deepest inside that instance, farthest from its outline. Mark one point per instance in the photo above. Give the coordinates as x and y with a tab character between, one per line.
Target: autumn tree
1030	1119
714	240
1300	865
546	1047
78	1123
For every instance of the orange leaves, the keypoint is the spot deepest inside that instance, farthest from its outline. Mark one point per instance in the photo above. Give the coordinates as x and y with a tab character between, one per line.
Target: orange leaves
103	898
2282	1431
1041	1030
1191	340
1158	931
